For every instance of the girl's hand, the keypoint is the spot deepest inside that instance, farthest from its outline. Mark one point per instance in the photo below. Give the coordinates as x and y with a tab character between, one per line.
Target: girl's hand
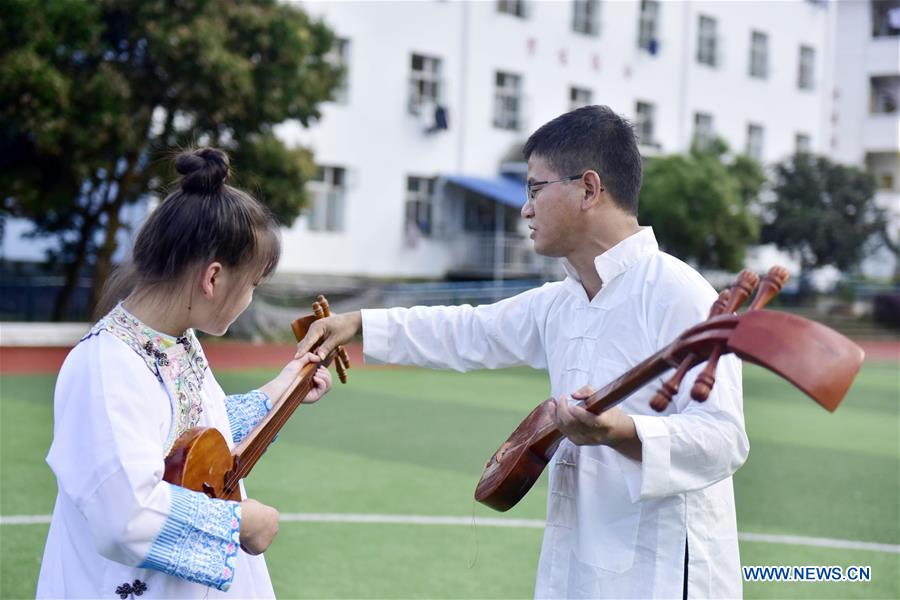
259	525
322	381
288	376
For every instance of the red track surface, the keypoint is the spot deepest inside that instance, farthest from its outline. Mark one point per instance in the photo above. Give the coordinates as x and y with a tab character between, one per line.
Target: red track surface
221	355
243	355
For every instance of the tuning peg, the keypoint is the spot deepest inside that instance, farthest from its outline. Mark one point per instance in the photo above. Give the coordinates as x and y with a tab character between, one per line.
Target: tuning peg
741	289
344	357
705	381
721	303
771	285
323	302
664	395
339	367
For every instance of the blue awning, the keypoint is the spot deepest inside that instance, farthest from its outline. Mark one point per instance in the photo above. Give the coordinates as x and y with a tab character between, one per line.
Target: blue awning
506	190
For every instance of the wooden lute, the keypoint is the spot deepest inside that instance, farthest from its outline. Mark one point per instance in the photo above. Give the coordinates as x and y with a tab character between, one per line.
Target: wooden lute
200	459
817	360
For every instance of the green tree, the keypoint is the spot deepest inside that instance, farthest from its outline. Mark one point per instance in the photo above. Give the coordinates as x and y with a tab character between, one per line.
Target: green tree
99	96
699	204
823	211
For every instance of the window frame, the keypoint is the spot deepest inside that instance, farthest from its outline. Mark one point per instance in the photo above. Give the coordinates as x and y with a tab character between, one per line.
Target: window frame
425	84
759	55
707	41
645	123
327	206
586	17
648	23
508	99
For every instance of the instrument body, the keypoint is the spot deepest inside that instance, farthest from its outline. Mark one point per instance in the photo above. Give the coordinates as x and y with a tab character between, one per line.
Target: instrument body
200	458
817	360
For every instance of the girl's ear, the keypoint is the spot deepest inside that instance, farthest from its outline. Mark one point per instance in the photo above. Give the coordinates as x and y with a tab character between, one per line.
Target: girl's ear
211	279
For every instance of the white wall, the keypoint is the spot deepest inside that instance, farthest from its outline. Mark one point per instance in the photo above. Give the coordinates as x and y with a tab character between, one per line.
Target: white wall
380	143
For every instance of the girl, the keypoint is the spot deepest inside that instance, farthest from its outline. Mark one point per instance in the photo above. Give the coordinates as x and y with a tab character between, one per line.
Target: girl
139	380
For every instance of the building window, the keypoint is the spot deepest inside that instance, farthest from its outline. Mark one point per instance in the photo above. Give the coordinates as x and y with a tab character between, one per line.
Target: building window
579	97
884	93
507	101
755	142
419	195
706	41
885	18
805	79
648	26
759	55
586	16
424	82
802	143
516	8
703	130
339	56
326	199
885	167
644	123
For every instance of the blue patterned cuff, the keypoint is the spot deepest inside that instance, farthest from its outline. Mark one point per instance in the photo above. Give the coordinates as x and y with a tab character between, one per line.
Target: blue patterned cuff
199	541
245	411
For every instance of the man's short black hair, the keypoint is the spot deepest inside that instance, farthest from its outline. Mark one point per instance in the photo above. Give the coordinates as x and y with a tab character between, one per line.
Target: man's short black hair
593	138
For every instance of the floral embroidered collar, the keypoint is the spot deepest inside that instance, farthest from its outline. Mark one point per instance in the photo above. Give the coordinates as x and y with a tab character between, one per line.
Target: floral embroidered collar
177	362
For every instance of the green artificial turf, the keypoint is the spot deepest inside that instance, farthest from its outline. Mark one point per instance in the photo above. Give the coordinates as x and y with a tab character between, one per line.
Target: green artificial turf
413	442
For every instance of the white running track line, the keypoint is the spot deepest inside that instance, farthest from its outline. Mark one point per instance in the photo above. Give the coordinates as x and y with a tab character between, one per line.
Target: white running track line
792	540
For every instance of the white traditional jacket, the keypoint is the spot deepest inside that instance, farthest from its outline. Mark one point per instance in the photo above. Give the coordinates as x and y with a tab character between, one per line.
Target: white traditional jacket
616	527
118	531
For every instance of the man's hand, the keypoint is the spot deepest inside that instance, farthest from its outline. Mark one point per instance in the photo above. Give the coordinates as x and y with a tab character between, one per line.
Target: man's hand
259	525
332	331
610	428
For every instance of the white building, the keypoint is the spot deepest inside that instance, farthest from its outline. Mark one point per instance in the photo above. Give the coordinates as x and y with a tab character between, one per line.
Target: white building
396	201
866	96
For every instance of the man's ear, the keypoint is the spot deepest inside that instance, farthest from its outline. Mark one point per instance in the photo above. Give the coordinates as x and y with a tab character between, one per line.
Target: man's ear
210	279
593	190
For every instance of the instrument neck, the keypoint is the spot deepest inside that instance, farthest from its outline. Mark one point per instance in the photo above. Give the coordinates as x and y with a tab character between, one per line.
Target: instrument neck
607	397
257	441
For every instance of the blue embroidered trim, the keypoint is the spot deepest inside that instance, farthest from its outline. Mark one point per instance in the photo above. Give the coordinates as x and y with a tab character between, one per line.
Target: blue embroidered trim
199	541
245	411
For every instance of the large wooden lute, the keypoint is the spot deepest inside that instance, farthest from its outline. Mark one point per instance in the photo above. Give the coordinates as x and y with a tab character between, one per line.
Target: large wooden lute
200	459
817	360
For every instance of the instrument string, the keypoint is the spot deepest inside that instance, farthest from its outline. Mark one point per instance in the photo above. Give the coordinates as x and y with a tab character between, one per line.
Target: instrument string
256	450
474	530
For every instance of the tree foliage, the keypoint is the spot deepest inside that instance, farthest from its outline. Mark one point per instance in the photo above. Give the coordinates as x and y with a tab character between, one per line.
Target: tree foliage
99	96
699	204
823	211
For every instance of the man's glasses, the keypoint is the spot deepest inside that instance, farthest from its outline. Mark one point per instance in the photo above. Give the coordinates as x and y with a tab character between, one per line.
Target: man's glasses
531	189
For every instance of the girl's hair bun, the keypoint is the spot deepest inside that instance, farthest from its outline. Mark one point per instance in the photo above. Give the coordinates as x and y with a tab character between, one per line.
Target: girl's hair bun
203	171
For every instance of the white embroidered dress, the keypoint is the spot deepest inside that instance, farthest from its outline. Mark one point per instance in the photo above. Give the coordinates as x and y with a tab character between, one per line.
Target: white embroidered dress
124	394
616	527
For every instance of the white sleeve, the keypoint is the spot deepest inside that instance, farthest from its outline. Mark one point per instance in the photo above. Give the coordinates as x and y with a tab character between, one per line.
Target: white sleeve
111	423
504	334
698	443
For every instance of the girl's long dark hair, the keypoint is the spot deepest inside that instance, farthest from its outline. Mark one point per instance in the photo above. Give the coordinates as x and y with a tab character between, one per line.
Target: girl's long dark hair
204	220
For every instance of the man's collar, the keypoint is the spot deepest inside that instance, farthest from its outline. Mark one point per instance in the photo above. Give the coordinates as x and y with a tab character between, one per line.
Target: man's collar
620	257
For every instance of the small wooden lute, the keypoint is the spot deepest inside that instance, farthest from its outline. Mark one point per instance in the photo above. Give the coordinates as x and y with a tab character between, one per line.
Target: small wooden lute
201	460
817	360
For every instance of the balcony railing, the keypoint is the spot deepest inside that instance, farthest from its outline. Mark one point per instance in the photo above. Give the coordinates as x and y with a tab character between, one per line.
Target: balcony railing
500	256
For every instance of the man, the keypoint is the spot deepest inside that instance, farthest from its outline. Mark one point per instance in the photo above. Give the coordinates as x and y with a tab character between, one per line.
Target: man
640	503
